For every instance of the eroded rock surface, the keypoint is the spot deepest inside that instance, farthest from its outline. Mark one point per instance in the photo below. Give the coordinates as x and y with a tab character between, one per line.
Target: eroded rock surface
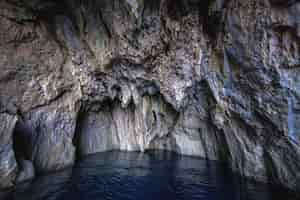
8	163
211	78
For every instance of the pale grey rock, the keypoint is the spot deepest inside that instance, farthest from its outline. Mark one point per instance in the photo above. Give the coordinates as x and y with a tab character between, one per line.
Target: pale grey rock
133	128
96	133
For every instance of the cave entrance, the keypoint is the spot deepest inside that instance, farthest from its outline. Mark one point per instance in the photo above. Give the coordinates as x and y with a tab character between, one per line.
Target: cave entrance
21	147
21	141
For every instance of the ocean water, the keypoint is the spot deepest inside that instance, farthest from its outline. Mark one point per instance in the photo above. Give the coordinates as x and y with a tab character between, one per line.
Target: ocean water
144	176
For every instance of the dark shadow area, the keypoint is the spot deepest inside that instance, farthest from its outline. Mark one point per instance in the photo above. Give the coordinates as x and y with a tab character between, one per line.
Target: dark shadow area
21	141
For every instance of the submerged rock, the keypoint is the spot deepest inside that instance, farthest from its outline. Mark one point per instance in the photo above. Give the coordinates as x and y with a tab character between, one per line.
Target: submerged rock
216	79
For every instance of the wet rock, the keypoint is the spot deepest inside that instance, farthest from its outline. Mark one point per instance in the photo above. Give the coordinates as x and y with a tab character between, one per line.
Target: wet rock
8	163
26	171
282	158
216	79
49	132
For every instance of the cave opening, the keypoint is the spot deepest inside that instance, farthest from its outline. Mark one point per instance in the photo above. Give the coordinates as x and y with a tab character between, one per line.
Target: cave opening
21	141
21	148
110	125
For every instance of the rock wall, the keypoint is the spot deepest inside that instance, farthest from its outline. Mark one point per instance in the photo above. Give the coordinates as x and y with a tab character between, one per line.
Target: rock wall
8	164
133	128
211	78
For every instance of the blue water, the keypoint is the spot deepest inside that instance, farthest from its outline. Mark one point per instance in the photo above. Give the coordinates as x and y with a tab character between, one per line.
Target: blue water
150	176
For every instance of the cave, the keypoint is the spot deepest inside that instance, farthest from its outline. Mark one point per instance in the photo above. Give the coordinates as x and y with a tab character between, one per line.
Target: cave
21	141
134	127
22	148
148	91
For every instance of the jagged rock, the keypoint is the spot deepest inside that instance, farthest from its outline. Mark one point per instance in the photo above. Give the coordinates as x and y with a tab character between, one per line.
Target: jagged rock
50	135
8	163
217	79
134	128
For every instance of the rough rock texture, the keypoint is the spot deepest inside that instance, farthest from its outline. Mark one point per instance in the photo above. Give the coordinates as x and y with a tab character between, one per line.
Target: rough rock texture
212	78
133	128
49	132
8	163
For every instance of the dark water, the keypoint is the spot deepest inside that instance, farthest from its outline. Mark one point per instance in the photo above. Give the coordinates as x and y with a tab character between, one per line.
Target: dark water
151	176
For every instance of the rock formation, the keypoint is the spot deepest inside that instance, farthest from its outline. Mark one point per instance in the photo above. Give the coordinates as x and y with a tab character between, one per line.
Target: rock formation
218	79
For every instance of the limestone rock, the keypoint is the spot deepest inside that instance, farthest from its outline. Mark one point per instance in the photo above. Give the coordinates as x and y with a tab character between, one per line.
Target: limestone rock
216	79
134	128
8	163
51	131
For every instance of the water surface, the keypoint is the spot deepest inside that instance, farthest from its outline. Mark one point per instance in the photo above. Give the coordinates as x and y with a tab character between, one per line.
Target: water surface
150	176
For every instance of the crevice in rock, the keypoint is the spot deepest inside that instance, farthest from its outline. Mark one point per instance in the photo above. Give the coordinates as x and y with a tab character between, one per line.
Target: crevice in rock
76	138
21	141
176	9
282	3
21	148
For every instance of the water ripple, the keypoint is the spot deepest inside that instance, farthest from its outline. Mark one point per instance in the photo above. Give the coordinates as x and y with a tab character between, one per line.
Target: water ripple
151	176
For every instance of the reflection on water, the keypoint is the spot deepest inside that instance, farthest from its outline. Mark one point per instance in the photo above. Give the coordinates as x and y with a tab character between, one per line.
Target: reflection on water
151	176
